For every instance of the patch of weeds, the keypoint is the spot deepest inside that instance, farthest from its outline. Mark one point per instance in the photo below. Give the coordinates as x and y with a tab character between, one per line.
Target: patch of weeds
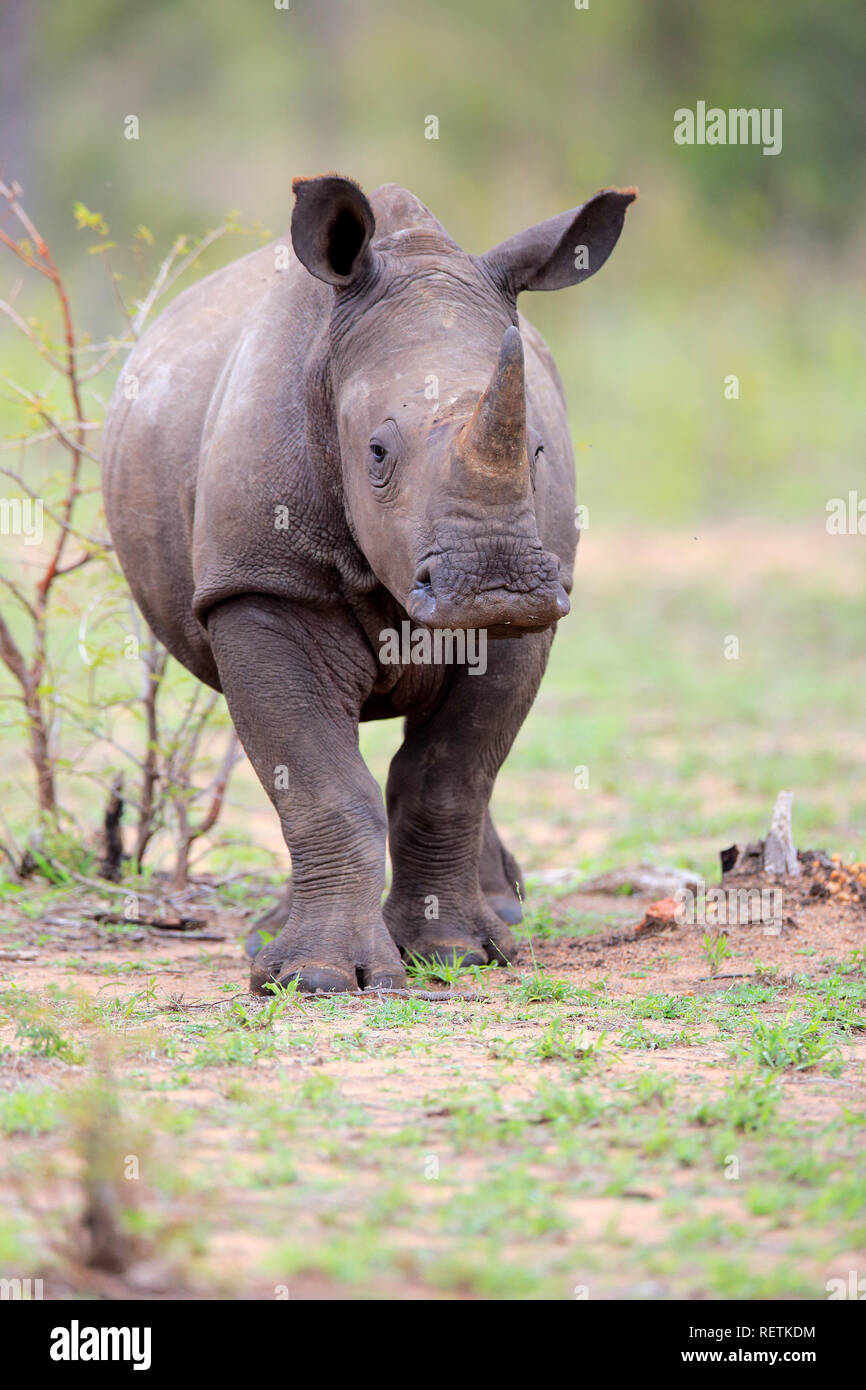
482	1119
15	1001
845	1196
236	1090
728	1278
249	892
665	1006
488	1274
264	1017
503	1049
795	1043
113	968
715	950
354	1257
124	1010
659	1140
288	992
237	1048
559	1042
29	1112
764	971
267	1120
539	988
769	1199
797	1163
853	962
704	1232
622	1174
398	1013
747	995
664	959
749	1103
637	1037
841	1014
423	972
650	1088
358	1040
511	1204
839	1002
318	1088
571	1104
332	1005
46	1040
538	922
278	1171
177	1119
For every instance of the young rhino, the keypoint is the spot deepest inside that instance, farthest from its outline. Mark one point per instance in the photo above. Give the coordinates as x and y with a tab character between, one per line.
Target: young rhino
311	448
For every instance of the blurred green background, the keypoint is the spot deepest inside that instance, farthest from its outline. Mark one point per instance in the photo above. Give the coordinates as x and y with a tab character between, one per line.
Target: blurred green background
731	263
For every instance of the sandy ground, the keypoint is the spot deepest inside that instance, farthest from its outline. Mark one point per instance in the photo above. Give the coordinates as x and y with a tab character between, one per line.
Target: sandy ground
340	1174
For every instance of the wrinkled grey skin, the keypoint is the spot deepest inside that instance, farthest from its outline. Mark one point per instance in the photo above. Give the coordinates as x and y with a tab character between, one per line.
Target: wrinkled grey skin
295	460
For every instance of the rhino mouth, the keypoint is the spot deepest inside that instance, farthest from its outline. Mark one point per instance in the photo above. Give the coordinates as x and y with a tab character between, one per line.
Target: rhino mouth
505	608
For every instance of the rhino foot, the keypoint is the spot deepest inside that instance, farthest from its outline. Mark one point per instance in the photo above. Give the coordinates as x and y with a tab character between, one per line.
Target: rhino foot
479	938
329	961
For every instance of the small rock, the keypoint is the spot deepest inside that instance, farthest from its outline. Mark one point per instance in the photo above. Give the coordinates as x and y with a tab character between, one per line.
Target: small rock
659	916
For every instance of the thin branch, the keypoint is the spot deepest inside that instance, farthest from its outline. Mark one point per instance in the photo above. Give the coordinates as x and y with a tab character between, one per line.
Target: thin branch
101	543
10	653
37	342
75	447
22	598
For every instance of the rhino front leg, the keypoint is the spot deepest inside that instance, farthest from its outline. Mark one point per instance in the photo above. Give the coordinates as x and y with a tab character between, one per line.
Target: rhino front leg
443	845
295	681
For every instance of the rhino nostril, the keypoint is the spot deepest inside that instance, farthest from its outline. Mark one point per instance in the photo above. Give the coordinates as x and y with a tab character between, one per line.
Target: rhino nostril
421	603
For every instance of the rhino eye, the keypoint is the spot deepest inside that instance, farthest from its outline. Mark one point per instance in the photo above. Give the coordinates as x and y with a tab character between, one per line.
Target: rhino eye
382	462
539	450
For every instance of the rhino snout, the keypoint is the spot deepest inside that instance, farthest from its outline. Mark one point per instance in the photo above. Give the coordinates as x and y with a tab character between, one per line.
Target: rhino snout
444	596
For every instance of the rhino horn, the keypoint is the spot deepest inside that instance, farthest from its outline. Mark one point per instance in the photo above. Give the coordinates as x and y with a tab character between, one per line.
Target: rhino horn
494	438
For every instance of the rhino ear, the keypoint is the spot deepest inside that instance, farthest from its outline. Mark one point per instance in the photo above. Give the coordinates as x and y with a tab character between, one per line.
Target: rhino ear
332	224
563	250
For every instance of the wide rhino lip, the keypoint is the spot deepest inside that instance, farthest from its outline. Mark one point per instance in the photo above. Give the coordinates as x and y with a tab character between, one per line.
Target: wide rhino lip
501	609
